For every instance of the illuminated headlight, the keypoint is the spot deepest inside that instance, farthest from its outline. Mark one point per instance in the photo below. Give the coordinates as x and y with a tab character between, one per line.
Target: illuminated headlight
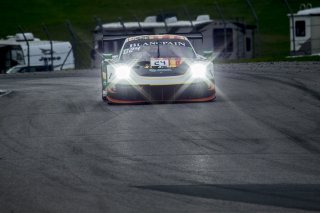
198	70
123	72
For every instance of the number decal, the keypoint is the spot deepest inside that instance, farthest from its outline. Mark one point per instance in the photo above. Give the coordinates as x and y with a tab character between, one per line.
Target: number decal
159	62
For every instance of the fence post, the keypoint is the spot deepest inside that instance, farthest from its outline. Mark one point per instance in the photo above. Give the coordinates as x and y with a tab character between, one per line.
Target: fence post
123	26
74	42
224	28
139	23
186	11
164	21
257	24
292	28
28	46
45	29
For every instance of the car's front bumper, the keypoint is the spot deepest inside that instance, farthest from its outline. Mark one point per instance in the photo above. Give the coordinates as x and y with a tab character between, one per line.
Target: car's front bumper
194	92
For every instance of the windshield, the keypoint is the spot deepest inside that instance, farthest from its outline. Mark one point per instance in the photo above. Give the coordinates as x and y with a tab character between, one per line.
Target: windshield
145	49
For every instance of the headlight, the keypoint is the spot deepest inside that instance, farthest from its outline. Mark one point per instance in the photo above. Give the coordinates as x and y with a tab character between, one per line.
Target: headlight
198	70
123	72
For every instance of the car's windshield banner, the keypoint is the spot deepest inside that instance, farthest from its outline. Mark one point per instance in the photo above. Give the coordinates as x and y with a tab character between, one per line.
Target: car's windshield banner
137	46
150	43
156	37
144	48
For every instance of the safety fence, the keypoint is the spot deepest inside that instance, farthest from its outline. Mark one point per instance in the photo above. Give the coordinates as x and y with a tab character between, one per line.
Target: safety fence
265	44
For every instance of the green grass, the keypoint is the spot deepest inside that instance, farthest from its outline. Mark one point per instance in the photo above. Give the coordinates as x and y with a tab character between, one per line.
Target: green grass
272	40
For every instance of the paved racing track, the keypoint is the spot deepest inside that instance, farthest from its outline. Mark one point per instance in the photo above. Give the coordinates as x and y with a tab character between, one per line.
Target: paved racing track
256	148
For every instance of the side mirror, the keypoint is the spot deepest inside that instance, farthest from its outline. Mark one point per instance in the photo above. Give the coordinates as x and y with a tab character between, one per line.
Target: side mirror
107	56
208	53
200	57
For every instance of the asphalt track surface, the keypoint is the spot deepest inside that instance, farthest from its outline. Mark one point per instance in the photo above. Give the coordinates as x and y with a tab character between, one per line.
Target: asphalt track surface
255	149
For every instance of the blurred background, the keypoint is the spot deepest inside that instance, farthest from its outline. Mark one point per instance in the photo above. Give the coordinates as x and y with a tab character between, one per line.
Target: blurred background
74	20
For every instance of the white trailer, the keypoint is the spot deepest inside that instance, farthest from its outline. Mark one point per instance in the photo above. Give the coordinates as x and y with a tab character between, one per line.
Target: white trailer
305	32
26	49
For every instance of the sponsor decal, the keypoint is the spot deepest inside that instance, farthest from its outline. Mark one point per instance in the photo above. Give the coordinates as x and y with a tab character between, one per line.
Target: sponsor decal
173	62
47	55
134	38
49	58
46	51
157	37
160	70
150	43
131	50
140	38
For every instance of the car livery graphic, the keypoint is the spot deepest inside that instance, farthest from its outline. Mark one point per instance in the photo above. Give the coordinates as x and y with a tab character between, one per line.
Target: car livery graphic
157	68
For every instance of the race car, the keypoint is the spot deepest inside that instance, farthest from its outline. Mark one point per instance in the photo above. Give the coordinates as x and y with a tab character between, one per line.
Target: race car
157	68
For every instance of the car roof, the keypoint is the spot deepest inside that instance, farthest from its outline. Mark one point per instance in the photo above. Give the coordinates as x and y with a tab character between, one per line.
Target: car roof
157	37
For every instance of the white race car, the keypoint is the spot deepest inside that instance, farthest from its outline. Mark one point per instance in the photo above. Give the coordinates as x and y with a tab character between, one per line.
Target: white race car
157	68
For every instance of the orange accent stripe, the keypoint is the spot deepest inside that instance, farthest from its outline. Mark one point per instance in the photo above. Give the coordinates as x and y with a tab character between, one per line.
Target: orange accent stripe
211	97
112	100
